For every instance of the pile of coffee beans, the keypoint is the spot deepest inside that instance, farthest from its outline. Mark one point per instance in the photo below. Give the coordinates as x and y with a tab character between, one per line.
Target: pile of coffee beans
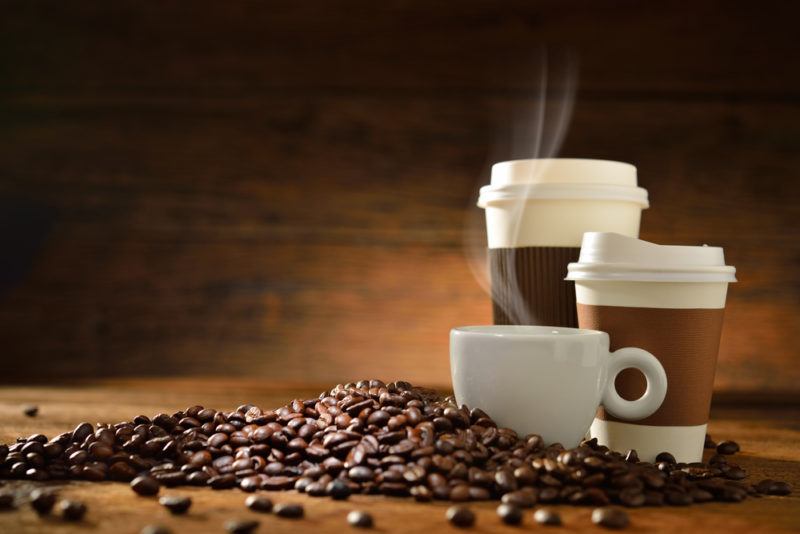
374	438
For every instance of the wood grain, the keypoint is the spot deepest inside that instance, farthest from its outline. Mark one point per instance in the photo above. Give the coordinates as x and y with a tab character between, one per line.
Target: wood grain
247	190
768	438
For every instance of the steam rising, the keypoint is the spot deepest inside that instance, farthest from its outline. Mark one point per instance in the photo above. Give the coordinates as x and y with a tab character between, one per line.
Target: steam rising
535	129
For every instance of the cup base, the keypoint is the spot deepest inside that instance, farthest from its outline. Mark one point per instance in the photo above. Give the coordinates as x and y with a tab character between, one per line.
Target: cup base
685	443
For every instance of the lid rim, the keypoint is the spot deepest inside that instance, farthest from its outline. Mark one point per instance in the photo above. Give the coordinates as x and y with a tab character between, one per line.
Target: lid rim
492	194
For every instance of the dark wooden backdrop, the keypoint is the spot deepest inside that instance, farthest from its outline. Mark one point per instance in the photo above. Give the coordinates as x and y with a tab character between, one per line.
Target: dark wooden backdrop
279	189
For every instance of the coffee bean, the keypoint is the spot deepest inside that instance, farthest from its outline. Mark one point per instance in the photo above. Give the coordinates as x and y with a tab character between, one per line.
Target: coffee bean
177	504
241	526
289	510
359	519
30	410
72	510
421	494
773	487
145	485
338	490
521	499
360	473
42	500
460	516
545	516
81	432
509	514
155	529
709	443
728	447
665	457
610	517
258	503
632	497
367	437
677	498
222	481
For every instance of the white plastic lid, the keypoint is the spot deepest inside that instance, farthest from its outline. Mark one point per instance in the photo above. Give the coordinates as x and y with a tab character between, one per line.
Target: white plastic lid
554	178
610	256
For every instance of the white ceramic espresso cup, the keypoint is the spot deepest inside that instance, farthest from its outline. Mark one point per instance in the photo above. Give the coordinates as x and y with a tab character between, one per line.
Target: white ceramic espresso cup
546	380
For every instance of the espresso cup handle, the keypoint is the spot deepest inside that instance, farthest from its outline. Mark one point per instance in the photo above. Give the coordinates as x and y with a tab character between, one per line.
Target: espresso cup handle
647	404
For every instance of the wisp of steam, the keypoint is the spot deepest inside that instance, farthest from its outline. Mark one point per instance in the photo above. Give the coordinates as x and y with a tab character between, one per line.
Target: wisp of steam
535	128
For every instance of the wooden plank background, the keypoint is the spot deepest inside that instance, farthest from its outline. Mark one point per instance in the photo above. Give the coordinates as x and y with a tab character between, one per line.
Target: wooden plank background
281	189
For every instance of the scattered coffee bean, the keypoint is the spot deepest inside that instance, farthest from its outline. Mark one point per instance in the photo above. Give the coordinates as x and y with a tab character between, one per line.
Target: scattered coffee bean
289	510
727	447
72	510
177	504
30	410
359	519
241	526
520	498
145	485
42	500
509	514
460	516
155	529
366	437
773	487
338	490
610	517
258	503
545	516
665	457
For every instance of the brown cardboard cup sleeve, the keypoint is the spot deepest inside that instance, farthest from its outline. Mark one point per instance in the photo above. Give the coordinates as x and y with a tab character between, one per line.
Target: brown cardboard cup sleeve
685	341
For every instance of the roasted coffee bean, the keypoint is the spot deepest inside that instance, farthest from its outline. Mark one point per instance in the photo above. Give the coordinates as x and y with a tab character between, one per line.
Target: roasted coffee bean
81	432
460	493
338	490
258	503
421	493
665	457
509	514
727	447
521	499
145	485
359	519
177	504
610	517
241	526
773	487
360	473
631	497
155	529
42	501
367	437
678	498
460	516
72	510
30	410
545	516
222	481
288	510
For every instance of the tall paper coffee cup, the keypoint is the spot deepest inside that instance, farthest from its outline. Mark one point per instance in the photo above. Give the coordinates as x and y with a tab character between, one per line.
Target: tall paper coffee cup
670	301
537	211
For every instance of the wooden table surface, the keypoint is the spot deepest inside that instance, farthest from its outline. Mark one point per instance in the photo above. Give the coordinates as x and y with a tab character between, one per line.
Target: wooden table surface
769	437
